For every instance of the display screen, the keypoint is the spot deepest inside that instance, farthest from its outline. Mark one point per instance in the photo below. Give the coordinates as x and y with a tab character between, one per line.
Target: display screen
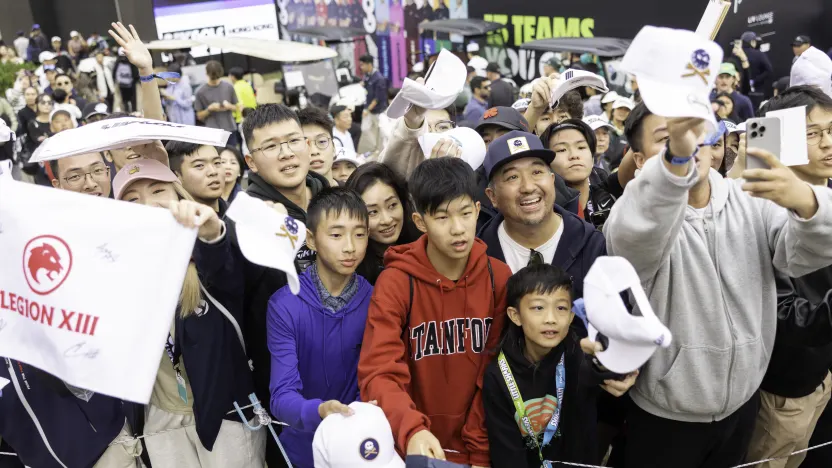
191	19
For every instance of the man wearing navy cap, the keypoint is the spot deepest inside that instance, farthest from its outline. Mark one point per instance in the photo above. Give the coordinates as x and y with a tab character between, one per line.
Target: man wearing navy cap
800	44
529	228
760	71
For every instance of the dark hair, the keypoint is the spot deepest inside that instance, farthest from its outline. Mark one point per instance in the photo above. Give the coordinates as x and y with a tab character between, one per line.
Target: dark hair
63	74
313	115
335	200
264	115
438	181
214	70
476	82
240	160
796	96
571	124
59	95
540	279
369	174
633	124
177	150
337	109
572	103
366	58
236	72
174	67
53	164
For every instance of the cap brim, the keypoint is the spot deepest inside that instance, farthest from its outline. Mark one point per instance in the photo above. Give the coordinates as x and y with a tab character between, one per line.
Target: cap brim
676	101
142	177
500	124
398	107
546	155
472	144
256	243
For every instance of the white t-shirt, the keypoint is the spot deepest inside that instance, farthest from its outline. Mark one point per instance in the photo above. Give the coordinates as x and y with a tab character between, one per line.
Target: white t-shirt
345	138
517	256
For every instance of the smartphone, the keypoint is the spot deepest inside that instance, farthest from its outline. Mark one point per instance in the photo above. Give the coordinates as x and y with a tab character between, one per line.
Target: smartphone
764	133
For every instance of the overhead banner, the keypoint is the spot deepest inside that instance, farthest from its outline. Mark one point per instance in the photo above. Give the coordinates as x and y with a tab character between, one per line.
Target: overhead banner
88	286
119	133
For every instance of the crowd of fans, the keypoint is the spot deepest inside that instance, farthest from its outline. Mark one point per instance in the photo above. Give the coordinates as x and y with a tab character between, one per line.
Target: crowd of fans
413	260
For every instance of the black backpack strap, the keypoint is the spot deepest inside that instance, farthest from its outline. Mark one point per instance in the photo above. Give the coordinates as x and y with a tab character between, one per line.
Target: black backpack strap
493	288
406	327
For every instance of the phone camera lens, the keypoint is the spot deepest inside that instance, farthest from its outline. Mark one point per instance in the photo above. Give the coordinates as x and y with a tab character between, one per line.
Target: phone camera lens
753	134
762	129
754	125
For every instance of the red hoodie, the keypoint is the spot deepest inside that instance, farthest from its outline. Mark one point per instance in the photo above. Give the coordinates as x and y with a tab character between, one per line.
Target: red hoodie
454	330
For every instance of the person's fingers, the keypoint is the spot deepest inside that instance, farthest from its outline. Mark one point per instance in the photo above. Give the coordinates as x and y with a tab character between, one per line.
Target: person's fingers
458	151
766	156
174	210
759	187
135	34
280	208
436	448
202	216
759	174
117	38
373	402
122	32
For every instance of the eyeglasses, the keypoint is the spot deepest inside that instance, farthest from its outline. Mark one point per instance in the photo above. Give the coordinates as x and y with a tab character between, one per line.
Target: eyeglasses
46	102
98	174
322	142
813	137
535	258
442	126
62	83
275	149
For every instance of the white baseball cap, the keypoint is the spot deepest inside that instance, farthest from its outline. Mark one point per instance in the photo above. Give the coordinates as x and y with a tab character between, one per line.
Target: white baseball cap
444	81
623	102
610	97
676	70
472	47
266	237
632	339
574	79
521	105
6	134
73	34
46	56
344	154
472	144
56	38
596	122
812	67
361	440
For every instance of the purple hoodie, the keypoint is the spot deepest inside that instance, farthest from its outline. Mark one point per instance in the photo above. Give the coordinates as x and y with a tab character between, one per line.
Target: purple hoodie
314	359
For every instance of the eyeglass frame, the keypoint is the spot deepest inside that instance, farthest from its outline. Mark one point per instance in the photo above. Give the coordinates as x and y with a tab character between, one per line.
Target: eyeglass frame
432	128
280	145
827	131
321	135
85	174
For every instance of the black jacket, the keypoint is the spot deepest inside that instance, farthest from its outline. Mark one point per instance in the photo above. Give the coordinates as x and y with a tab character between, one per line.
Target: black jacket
803	346
78	431
601	198
577	250
759	70
212	354
576	441
565	197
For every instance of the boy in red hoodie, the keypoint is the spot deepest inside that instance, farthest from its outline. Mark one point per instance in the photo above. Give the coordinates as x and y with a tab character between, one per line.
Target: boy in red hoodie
434	321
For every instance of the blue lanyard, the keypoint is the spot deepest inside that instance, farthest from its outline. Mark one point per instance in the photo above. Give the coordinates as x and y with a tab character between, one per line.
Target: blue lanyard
520	406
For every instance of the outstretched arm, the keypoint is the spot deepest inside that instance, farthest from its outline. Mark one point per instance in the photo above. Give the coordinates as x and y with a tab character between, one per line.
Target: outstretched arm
138	55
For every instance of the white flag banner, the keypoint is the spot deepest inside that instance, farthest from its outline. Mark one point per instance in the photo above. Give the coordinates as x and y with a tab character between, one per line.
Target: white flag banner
118	133
88	286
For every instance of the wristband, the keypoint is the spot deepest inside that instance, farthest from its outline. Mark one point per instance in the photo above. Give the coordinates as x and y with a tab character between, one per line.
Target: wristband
676	160
167	76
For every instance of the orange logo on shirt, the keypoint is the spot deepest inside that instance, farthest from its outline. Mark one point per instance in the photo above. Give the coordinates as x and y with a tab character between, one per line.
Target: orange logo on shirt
539	411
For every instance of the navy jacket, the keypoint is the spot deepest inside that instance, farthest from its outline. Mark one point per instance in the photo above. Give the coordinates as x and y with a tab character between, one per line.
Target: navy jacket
211	350
78	431
577	250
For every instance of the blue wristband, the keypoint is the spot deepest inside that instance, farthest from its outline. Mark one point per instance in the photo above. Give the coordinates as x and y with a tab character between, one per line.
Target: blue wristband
167	76
677	160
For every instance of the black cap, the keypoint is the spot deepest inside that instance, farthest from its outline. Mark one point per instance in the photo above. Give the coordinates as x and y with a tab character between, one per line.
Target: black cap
493	67
782	84
573	124
801	40
337	109
95	108
512	146
553	62
503	117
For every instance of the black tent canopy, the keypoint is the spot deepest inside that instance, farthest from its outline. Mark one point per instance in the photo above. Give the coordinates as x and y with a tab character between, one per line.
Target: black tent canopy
329	34
462	27
600	46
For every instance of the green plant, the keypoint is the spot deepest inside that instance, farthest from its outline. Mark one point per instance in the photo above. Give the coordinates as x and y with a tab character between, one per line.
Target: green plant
8	74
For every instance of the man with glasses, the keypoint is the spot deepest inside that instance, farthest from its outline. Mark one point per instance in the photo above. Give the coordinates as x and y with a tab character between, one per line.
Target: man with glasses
342	115
83	173
403	153
480	91
528	227
318	129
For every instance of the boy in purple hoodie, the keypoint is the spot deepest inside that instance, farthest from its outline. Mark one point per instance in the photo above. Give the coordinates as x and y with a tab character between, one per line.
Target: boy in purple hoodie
315	337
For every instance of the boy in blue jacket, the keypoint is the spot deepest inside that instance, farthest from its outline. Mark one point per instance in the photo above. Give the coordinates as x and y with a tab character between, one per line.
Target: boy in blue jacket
315	337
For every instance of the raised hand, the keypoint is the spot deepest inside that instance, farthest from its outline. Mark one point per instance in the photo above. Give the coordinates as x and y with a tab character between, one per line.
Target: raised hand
195	215
134	48
333	407
780	185
685	134
446	147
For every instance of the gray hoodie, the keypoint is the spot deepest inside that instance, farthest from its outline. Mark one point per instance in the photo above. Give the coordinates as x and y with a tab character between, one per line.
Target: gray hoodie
709	275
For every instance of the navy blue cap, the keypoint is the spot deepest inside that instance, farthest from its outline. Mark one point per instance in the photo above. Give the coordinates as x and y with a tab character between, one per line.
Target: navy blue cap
512	146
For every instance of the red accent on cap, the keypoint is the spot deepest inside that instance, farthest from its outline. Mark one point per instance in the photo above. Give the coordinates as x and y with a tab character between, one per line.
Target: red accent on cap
490	113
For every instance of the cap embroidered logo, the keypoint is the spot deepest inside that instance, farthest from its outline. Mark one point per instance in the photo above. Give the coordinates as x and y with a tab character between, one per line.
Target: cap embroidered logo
133	170
47	261
490	113
289	229
698	65
517	145
369	449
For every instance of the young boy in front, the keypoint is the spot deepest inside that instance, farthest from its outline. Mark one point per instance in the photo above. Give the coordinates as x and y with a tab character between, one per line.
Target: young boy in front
315	337
434	321
547	364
